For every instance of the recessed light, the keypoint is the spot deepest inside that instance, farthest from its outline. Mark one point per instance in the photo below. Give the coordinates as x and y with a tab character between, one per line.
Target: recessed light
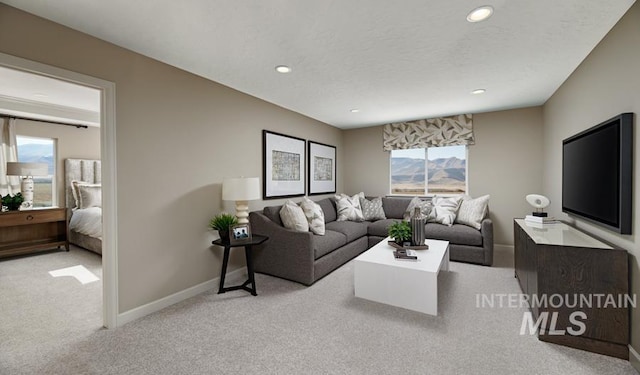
283	69
355	110
480	14
478	91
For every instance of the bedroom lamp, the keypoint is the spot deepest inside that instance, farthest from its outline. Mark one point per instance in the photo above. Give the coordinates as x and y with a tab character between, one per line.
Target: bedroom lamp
539	202
241	190
27	171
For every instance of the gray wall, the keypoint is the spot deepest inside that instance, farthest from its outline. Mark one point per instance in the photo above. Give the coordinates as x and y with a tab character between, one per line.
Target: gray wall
178	136
505	162
71	142
606	84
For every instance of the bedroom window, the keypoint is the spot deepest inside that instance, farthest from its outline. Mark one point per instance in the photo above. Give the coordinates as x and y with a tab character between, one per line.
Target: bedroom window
40	150
446	168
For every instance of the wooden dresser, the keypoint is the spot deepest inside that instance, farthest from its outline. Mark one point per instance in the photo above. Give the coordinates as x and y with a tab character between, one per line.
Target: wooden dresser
561	262
29	231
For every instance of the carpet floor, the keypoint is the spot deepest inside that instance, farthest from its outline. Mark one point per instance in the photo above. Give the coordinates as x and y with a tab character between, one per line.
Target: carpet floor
323	329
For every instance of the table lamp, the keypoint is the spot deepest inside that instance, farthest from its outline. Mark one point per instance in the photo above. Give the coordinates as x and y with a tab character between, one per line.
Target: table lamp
241	190
27	171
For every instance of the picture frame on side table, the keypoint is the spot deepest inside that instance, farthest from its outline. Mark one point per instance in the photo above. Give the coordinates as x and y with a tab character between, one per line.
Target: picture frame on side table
283	165
322	168
240	233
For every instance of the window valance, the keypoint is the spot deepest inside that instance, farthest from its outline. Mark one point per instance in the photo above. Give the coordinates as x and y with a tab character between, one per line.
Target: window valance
441	131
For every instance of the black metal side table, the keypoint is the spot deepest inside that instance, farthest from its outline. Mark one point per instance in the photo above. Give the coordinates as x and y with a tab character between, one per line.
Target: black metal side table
248	243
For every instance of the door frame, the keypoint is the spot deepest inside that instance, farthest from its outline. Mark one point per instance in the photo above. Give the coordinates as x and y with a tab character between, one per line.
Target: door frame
107	89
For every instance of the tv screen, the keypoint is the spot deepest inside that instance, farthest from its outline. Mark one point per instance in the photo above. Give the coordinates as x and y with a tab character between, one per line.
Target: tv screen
597	173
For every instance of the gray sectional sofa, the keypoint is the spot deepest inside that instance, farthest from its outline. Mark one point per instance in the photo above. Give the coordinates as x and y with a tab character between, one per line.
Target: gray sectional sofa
305	257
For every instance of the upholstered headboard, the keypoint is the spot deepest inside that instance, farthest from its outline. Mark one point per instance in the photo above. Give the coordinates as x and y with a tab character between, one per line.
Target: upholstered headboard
86	170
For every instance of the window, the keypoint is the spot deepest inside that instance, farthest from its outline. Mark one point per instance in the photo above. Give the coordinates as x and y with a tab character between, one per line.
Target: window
40	150
446	168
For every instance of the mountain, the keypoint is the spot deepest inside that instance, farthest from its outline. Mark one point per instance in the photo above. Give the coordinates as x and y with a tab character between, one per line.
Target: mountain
37	153
444	171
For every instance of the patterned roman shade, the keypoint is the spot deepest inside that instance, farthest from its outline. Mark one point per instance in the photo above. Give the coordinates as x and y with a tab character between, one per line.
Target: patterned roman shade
441	131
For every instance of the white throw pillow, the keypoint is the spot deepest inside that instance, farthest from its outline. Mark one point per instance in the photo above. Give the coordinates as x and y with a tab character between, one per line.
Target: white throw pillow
445	210
473	211
348	208
293	217
314	214
425	208
89	195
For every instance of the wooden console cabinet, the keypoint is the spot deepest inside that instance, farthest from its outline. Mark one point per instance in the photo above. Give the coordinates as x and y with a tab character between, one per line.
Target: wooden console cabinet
24	232
556	259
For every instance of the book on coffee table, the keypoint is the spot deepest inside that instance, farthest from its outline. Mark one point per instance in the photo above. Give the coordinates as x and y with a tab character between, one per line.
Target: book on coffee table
405	254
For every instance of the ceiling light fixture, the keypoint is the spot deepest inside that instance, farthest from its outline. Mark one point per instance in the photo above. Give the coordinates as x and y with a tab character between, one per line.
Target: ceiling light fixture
283	69
355	110
478	91
480	14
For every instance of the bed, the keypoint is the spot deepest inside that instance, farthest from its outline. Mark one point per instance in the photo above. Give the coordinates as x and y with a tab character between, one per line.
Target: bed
83	194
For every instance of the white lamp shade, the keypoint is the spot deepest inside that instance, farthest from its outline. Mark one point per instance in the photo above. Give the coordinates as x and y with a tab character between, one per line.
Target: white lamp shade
27	169
241	189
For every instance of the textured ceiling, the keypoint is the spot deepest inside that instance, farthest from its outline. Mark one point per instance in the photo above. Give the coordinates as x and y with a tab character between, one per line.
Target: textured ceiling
392	60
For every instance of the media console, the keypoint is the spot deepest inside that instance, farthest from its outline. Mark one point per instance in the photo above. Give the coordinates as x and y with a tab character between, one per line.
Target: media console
580	284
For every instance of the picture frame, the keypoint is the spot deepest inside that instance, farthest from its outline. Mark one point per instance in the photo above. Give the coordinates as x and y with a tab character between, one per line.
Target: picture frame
240	233
322	168
283	165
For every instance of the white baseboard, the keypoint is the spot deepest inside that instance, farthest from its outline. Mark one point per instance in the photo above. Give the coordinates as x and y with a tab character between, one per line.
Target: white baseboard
634	359
151	307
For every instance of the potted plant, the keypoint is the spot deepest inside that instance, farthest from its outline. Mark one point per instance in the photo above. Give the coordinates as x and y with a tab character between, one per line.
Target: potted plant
222	223
400	231
12	203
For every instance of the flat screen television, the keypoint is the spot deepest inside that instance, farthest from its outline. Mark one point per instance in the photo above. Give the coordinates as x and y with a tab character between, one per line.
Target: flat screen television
597	174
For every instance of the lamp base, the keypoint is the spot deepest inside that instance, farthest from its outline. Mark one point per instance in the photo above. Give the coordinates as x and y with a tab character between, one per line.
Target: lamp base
26	187
539	214
242	212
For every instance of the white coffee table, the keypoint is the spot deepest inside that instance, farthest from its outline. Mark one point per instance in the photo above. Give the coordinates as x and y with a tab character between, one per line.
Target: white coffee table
412	285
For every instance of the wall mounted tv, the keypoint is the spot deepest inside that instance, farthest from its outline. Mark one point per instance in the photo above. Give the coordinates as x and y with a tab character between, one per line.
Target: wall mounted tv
597	174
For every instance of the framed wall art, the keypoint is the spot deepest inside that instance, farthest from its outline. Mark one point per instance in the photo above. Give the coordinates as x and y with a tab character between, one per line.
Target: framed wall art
322	168
283	163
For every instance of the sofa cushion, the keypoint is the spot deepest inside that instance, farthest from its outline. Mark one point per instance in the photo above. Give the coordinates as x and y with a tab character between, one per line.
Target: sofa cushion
293	217
394	208
329	208
458	234
372	209
380	228
273	213
351	229
472	211
314	214
323	245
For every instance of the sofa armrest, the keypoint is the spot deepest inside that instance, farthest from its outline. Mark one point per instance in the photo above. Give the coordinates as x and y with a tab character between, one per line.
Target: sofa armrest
487	240
287	253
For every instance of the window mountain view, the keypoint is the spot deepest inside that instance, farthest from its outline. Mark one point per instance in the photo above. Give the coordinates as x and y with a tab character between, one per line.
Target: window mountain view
446	175
41	151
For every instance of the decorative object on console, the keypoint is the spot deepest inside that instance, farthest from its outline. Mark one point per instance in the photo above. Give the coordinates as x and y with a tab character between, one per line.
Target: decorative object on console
322	168
223	223
283	162
12	203
239	233
241	190
539	202
418	221
27	171
400	231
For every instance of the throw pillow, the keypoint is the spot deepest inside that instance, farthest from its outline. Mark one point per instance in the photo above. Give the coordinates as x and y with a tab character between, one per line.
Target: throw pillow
473	211
314	215
293	217
74	190
89	195
425	208
445	210
348	208
372	209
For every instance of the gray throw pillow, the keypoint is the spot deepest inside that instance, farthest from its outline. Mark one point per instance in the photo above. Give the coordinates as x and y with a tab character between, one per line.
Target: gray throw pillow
372	209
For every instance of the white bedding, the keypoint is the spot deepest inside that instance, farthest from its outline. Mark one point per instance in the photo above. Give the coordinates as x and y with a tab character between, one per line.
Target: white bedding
87	221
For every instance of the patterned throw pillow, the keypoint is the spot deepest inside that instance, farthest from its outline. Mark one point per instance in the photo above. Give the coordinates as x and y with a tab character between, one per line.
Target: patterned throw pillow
372	209
445	210
348	208
473	211
314	215
293	217
425	208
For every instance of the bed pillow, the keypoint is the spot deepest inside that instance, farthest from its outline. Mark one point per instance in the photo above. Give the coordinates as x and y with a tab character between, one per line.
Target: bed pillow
473	211
425	207
89	195
348	208
445	210
372	209
74	190
293	217
314	214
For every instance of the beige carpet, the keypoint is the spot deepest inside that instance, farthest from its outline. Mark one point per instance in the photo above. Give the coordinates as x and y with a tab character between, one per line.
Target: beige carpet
322	329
